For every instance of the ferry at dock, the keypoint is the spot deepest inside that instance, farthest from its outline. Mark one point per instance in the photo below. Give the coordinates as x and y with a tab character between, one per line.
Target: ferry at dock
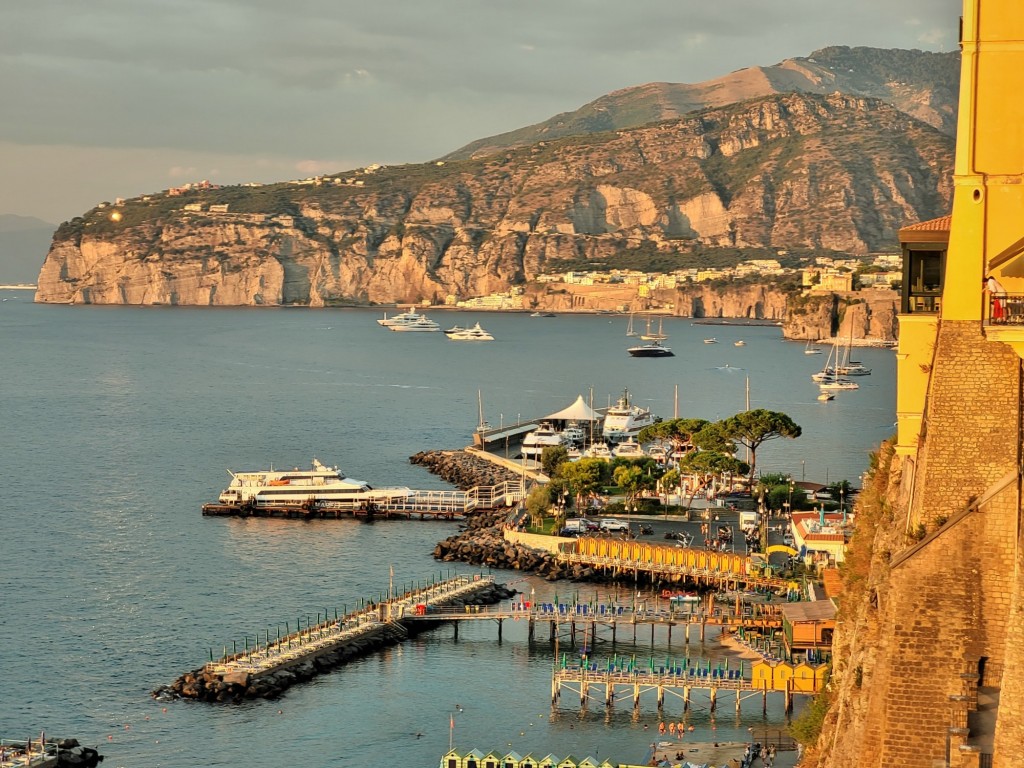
320	486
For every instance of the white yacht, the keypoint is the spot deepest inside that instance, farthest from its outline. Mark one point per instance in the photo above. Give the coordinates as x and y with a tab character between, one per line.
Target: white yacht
476	333
657	452
401	319
837	384
320	486
422	323
574	433
629	449
625	420
598	451
544	436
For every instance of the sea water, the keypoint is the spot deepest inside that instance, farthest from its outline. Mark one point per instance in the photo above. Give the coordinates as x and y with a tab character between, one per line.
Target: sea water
118	423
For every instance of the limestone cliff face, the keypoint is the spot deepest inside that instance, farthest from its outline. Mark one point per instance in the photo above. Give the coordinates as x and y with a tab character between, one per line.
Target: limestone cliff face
793	172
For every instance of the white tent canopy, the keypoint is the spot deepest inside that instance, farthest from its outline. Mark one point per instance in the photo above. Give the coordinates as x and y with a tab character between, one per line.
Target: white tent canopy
578	411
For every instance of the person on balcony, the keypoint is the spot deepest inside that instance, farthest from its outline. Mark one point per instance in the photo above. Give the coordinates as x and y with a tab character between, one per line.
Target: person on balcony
997	294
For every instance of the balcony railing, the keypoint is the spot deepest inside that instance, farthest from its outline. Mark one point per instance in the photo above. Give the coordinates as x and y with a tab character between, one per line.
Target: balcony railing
1006	309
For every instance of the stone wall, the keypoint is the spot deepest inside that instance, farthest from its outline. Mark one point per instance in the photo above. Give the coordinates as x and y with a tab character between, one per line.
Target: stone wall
941	609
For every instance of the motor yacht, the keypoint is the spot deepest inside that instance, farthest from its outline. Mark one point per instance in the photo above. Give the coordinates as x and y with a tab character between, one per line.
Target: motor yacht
422	323
624	420
476	333
544	436
654	349
401	319
629	449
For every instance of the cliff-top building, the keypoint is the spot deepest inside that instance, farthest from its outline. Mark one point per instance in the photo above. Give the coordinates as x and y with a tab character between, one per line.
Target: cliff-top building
932	656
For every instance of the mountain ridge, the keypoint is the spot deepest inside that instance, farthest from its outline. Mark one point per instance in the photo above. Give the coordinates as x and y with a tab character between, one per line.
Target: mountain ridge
922	84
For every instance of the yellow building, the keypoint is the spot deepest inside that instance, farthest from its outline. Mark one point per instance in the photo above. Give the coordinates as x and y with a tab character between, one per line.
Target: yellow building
935	671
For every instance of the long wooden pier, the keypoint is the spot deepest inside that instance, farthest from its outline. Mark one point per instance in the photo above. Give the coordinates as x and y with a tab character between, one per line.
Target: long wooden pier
423	505
590	619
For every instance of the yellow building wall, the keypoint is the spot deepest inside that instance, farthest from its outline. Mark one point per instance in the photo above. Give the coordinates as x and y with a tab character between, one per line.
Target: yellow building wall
913	368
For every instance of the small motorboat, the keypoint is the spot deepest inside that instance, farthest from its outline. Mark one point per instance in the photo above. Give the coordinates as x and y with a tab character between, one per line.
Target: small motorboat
712	340
740	343
826	396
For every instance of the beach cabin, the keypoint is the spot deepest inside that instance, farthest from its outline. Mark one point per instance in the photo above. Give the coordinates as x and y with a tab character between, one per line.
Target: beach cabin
548	762
762	675
491	760
805	679
472	759
569	762
512	760
528	762
807	630
588	762
783	676
451	760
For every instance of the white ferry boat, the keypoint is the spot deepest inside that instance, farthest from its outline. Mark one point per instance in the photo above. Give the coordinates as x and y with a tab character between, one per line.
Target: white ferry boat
625	420
320	486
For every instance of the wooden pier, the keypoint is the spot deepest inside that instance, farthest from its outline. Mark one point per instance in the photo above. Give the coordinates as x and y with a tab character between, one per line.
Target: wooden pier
421	505
603	622
618	681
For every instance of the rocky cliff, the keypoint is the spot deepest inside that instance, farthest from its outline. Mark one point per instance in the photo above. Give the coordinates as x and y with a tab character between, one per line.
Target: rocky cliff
786	172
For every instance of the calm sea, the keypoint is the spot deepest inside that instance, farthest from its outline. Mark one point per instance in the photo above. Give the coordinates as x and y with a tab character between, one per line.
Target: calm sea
118	423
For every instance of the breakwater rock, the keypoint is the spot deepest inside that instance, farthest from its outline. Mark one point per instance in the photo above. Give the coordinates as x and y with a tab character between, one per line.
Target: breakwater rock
463	469
70	754
210	684
483	543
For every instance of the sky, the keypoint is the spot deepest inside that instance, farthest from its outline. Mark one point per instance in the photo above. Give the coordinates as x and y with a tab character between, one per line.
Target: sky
102	99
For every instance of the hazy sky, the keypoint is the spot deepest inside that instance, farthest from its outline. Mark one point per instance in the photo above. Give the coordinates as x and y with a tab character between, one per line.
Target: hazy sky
114	98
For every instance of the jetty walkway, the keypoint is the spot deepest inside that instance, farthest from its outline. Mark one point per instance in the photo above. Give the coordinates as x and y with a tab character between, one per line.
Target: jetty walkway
624	680
422	505
275	664
591	619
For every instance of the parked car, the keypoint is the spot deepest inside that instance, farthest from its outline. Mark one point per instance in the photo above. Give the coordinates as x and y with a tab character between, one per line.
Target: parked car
580	525
611	525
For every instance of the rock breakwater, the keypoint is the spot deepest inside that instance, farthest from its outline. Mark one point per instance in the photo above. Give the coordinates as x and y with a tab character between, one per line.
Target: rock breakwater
209	684
463	469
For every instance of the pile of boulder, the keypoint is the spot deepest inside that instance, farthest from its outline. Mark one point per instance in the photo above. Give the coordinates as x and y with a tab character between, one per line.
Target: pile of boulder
463	469
71	754
482	542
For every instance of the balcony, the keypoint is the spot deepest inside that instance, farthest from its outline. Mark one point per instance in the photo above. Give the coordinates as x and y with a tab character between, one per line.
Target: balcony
1004	320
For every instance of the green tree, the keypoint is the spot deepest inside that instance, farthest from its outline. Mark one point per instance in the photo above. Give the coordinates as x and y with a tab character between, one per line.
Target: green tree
679	432
582	478
705	466
630	479
753	428
538	502
551	457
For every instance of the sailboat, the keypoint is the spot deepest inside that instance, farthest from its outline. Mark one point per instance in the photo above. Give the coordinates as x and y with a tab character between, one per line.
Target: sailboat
850	367
811	350
629	327
659	336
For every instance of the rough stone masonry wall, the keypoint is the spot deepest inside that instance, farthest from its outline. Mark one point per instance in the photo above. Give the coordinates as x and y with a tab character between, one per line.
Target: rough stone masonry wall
950	602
